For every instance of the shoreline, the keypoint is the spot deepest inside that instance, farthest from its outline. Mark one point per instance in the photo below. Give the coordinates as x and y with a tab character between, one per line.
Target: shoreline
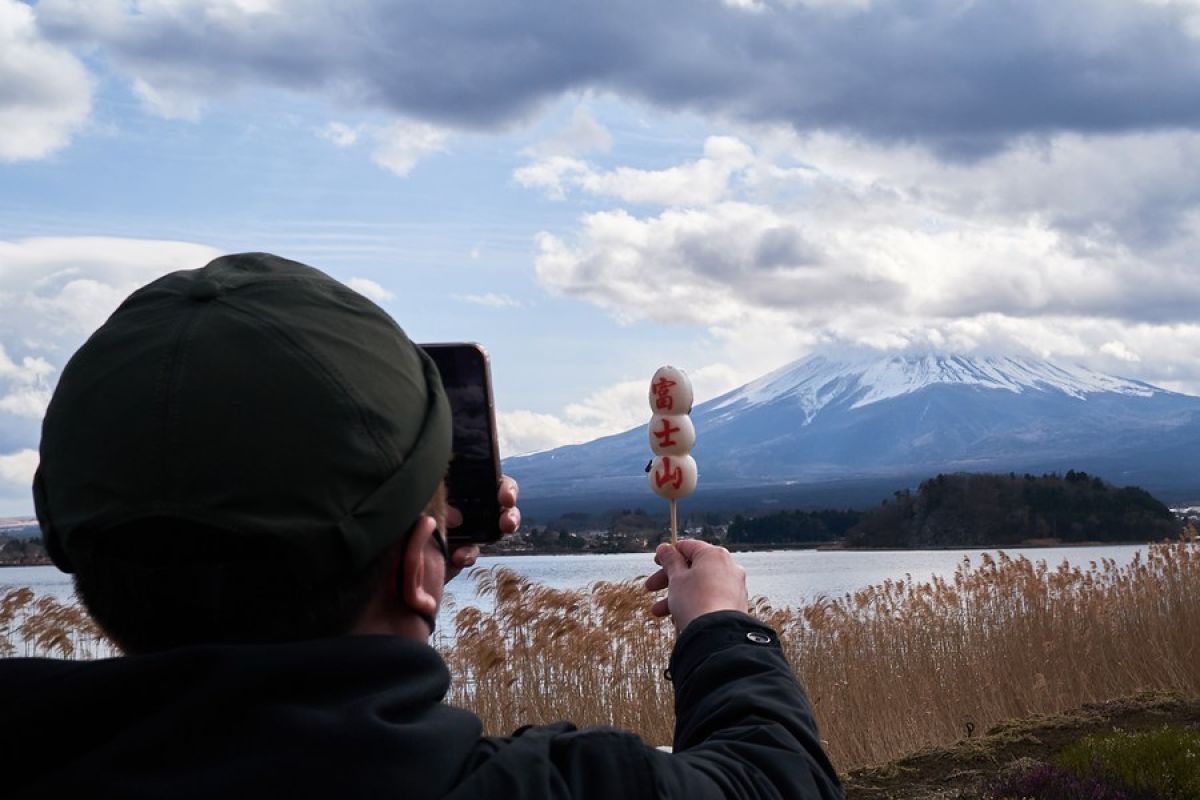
822	547
1017	546
833	547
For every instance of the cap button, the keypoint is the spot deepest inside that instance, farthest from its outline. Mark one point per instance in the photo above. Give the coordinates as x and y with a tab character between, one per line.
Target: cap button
203	290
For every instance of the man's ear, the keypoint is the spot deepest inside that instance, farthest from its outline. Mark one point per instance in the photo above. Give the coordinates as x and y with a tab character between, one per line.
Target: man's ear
424	569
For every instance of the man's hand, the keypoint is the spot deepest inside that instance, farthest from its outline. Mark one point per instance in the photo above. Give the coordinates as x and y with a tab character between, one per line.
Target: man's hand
702	578
510	519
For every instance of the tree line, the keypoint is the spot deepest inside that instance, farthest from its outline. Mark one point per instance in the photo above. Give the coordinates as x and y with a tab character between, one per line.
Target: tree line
793	527
978	510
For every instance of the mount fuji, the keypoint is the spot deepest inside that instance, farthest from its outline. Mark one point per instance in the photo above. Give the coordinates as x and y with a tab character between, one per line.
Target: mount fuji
834	430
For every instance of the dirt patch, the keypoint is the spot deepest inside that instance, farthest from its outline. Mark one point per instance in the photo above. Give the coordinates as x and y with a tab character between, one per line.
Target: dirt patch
957	772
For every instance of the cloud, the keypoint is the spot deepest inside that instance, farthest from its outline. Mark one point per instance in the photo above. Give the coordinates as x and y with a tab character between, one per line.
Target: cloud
396	146
340	134
1080	248
614	408
522	432
168	103
489	299
1187	10
583	134
965	78
371	289
24	387
45	92
55	291
746	5
399	146
30	370
709	266
1118	350
551	174
600	413
699	182
28	402
16	471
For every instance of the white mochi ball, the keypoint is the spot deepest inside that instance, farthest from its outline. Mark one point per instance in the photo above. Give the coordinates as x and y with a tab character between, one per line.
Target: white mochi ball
672	434
670	391
673	477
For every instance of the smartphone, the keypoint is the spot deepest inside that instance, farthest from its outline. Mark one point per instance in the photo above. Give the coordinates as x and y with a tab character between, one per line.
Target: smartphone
474	477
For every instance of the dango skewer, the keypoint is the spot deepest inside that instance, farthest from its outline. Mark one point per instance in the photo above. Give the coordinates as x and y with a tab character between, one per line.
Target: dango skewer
672	435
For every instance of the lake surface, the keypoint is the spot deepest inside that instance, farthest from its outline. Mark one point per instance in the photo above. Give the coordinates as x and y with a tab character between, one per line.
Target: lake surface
785	577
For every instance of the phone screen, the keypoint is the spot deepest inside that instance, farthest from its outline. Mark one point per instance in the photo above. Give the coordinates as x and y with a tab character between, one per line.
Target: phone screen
474	476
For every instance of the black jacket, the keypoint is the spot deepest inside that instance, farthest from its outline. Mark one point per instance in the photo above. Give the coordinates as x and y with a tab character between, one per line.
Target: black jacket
361	716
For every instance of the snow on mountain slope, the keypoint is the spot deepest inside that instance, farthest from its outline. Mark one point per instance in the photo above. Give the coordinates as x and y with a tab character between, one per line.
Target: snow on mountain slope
900	418
818	381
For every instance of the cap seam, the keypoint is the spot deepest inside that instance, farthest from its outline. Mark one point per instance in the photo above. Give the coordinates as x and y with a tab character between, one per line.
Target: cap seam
327	373
171	434
168	372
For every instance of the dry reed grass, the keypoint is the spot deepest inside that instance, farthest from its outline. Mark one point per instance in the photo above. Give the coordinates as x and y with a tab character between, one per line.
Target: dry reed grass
592	656
906	665
43	626
893	668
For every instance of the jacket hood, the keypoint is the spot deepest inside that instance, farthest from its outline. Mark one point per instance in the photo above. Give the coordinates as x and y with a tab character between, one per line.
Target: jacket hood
352	716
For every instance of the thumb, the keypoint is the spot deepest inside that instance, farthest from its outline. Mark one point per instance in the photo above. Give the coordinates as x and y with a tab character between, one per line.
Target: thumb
688	549
670	559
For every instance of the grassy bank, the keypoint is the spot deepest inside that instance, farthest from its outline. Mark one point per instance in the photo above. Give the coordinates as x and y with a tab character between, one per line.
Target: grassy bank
1005	762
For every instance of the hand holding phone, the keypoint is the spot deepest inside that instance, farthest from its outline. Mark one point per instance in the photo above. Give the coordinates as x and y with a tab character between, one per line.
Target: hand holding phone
473	480
463	555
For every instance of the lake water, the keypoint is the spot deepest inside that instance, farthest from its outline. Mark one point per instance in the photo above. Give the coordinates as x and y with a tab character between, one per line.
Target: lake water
785	577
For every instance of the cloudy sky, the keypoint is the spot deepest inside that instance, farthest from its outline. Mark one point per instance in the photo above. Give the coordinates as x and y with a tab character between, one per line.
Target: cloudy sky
595	189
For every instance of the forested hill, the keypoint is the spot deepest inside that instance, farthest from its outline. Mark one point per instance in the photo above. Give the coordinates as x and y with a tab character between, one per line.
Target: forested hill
793	527
969	510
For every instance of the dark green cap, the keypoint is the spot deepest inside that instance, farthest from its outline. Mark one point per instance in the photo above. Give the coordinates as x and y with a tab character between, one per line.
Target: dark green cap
256	396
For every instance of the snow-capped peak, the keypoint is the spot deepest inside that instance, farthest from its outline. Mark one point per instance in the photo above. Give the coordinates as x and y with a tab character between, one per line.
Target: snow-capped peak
819	380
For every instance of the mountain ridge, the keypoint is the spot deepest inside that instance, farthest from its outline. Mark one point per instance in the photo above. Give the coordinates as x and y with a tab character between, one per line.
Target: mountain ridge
894	418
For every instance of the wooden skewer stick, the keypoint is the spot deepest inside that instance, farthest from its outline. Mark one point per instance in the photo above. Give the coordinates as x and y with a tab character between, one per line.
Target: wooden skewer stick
674	526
